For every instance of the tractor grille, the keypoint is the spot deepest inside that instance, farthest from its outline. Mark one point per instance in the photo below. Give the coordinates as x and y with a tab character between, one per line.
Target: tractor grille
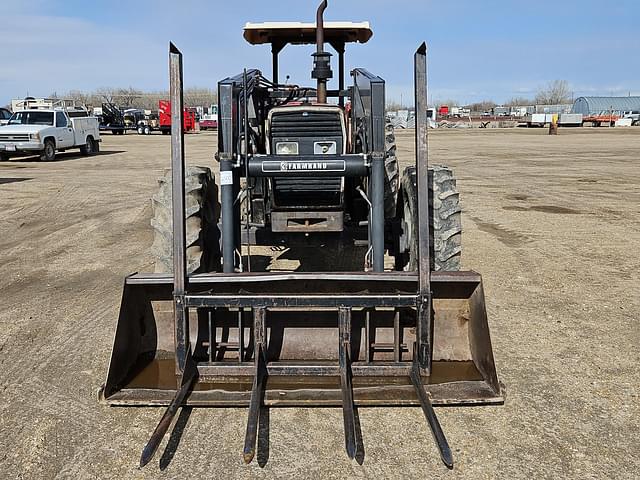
305	128
305	125
307	192
14	138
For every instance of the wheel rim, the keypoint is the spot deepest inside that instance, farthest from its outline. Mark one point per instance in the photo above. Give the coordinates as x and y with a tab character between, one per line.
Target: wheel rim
406	236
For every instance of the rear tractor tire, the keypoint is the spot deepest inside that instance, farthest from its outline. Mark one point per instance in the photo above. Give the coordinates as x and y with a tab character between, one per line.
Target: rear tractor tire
392	172
445	222
202	212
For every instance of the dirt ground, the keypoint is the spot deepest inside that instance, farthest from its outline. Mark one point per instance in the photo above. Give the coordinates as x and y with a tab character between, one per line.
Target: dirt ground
552	223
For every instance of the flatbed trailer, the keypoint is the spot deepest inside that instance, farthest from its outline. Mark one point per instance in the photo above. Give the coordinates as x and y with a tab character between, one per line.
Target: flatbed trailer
601	119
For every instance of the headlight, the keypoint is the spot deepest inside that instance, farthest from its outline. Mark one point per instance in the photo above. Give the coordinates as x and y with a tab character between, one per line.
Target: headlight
34	136
324	148
287	148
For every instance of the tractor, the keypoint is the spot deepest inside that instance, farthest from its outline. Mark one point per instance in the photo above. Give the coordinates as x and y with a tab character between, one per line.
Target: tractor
312	166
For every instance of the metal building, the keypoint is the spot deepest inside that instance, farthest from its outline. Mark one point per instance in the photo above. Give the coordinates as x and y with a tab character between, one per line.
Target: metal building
603	105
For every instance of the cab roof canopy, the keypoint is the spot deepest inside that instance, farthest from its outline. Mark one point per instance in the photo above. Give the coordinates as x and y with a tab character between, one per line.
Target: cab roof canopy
297	33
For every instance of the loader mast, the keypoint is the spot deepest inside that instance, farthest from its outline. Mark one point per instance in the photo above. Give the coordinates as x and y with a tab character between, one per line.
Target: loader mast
425	324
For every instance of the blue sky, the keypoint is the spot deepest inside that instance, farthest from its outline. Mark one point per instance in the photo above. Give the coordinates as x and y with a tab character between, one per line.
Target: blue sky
478	50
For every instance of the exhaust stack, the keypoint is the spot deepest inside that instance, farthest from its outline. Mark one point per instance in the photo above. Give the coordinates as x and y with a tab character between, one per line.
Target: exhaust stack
321	59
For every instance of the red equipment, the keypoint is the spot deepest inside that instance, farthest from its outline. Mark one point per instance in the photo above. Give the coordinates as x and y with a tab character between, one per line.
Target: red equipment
164	117
443	111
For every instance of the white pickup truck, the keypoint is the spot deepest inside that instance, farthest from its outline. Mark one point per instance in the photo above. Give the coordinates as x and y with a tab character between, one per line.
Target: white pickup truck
47	131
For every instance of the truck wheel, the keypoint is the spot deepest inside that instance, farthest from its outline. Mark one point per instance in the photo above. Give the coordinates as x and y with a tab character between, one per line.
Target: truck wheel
445	223
49	152
392	172
140	130
202	211
147	130
89	147
4	157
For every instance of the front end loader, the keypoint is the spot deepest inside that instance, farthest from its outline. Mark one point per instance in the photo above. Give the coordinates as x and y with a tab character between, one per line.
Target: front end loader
312	166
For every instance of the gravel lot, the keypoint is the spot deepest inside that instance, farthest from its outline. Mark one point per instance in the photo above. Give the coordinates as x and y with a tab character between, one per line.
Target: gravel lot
552	223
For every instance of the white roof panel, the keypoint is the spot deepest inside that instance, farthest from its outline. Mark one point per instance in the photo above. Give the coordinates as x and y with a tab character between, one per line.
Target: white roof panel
299	33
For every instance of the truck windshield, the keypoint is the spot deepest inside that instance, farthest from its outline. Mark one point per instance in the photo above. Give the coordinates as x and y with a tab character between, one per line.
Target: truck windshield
32	118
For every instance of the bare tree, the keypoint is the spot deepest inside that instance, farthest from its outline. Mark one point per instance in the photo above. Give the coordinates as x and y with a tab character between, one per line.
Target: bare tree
199	97
448	102
79	97
106	94
149	100
519	101
395	106
127	97
134	98
483	106
555	93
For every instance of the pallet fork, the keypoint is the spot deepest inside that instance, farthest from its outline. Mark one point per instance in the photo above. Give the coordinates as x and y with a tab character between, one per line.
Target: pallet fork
439	350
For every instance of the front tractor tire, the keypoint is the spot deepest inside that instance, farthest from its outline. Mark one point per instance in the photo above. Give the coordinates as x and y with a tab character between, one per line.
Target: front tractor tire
445	222
202	212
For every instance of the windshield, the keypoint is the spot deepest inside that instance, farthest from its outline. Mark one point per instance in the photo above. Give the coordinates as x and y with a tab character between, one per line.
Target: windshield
32	118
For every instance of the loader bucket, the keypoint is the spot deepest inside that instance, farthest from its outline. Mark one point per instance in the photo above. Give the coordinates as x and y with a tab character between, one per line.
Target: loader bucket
302	351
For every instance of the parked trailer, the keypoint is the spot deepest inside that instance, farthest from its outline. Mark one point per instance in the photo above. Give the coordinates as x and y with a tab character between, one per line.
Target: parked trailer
150	123
161	121
112	119
570	120
598	120
537	119
164	117
209	120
